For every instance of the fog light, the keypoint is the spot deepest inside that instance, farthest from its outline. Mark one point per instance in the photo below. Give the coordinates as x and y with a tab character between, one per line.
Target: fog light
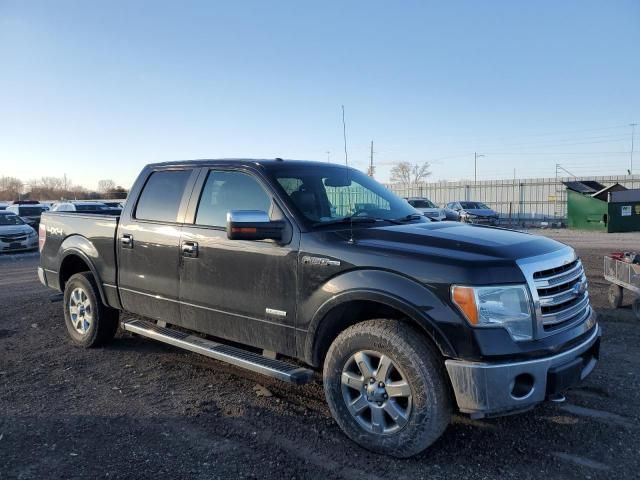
522	386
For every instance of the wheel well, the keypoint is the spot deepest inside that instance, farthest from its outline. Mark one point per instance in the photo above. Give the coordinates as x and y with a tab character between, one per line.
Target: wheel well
343	316
71	265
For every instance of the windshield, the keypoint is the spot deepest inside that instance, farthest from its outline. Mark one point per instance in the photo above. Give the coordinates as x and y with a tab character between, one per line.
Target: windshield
10	220
474	206
326	194
422	203
31	211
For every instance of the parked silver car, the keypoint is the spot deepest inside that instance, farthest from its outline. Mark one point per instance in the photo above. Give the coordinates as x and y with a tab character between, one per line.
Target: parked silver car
15	234
427	207
474	212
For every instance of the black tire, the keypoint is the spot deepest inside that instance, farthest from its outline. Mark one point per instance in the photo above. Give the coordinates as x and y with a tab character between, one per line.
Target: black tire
101	326
636	308
615	295
416	361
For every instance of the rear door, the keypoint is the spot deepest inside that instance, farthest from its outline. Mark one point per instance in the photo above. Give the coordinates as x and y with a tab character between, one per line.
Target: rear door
238	289
148	242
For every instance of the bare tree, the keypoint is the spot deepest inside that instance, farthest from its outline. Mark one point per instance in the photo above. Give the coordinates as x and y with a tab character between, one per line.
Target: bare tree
105	186
410	174
10	188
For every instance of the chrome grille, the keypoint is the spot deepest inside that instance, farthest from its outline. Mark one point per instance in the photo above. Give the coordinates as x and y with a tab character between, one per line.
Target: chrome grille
13	237
558	285
562	292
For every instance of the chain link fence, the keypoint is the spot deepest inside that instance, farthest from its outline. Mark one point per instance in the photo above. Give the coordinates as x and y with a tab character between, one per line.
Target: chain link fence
518	201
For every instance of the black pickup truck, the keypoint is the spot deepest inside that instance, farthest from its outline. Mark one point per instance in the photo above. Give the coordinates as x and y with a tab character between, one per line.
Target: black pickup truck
261	262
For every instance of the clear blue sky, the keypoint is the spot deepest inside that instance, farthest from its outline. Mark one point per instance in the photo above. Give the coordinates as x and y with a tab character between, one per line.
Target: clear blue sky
98	89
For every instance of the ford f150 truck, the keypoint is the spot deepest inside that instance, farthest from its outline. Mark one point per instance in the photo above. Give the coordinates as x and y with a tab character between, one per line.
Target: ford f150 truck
274	264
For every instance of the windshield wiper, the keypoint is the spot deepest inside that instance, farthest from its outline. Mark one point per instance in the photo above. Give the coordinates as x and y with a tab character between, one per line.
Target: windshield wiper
355	219
347	220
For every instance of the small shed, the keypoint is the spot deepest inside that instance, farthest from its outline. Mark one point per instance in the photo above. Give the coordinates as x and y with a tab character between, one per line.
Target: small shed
593	206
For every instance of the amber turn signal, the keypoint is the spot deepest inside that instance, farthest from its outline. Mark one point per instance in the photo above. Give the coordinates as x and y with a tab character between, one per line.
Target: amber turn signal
465	299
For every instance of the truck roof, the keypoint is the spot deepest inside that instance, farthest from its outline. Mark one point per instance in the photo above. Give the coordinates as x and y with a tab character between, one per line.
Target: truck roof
242	161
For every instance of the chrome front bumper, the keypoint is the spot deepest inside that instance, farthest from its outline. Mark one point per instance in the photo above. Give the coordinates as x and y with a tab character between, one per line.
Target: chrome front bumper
492	389
42	277
22	247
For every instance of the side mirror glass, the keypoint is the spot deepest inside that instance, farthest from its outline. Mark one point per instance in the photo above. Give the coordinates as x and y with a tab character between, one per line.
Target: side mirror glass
253	225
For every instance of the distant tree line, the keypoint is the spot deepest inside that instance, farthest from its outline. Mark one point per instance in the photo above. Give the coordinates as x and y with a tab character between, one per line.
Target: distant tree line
56	188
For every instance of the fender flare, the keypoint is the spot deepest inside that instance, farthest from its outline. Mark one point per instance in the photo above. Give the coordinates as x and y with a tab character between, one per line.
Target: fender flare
418	314
75	249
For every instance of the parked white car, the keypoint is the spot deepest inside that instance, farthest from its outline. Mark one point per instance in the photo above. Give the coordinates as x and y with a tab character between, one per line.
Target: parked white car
15	234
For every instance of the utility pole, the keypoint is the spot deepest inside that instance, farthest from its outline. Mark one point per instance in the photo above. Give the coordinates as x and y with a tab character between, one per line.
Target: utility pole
633	131
476	156
371	167
328	152
344	136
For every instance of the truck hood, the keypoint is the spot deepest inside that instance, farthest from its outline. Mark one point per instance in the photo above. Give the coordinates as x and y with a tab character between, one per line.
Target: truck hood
456	240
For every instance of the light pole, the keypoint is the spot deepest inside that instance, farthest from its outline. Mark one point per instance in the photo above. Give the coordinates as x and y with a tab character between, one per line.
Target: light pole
476	156
328	156
633	131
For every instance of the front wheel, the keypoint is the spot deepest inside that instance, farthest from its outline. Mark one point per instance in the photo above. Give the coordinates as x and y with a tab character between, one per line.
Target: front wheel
386	388
89	322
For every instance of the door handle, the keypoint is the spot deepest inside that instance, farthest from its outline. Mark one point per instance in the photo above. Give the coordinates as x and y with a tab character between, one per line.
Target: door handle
126	241
189	249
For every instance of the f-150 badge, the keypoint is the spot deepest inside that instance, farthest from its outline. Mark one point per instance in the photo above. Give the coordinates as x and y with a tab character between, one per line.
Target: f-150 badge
320	261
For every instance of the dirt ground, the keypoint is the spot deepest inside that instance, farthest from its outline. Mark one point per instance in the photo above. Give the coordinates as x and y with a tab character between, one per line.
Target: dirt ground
141	409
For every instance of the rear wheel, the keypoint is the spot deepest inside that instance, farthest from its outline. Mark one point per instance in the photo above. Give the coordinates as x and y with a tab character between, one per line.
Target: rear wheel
386	388
89	322
615	295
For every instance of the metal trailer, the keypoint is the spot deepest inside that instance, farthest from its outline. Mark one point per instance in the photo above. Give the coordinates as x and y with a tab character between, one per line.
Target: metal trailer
622	275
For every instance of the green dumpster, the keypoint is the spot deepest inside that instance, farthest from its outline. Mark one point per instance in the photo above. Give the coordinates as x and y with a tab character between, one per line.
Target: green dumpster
592	206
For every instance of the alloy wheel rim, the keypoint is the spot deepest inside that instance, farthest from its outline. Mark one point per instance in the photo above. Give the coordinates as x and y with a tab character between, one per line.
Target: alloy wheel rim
376	392
80	311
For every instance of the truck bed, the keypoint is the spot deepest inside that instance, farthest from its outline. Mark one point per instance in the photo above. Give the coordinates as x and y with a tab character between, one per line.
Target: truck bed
91	235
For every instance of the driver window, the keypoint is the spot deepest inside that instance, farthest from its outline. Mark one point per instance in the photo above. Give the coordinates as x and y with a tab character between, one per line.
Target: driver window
229	190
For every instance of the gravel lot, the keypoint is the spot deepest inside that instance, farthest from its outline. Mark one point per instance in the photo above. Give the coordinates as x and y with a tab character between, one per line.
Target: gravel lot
140	409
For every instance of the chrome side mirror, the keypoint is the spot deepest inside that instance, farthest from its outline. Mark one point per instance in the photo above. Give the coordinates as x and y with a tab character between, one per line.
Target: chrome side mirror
253	225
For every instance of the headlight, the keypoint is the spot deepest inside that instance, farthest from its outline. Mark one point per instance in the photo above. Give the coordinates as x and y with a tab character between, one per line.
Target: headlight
32	233
506	306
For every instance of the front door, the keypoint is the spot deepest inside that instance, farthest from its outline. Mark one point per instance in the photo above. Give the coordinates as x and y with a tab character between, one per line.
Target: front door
148	244
240	290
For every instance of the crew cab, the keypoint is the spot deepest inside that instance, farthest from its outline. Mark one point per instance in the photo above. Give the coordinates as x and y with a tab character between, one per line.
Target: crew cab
291	267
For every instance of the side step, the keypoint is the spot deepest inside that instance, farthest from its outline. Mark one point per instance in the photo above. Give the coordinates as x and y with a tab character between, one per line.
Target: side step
235	356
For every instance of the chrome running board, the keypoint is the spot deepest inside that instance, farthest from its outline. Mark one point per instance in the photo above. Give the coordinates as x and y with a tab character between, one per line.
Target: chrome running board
225	353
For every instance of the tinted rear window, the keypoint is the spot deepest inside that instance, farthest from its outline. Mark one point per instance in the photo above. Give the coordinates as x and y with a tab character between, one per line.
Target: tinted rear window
90	208
31	211
160	198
